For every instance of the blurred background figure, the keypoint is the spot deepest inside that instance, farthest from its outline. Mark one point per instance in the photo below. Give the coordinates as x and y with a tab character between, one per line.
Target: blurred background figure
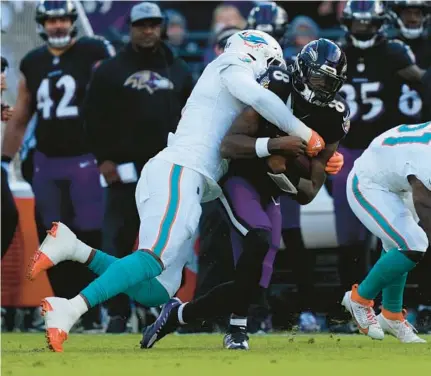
224	16
175	34
176	29
302	30
221	38
269	18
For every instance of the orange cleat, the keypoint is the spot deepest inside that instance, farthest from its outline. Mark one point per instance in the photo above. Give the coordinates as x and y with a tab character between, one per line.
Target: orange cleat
59	245
59	317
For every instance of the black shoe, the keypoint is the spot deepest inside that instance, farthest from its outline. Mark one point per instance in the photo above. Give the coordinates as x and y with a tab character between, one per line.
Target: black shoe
166	323
236	339
117	325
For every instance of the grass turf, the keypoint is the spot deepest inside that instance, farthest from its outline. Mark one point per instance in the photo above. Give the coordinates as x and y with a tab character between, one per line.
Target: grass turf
25	354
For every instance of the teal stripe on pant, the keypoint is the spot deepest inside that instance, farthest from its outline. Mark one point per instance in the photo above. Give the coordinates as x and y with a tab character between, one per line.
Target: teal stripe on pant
171	210
378	217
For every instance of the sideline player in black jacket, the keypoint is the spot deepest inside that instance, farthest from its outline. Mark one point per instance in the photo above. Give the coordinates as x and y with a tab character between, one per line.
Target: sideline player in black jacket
66	179
134	101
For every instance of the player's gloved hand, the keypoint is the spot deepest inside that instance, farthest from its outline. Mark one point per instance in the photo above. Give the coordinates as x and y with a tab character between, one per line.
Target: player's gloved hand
335	164
315	144
287	146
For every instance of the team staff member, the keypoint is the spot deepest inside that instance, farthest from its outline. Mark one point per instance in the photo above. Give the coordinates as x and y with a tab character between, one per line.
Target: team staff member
134	101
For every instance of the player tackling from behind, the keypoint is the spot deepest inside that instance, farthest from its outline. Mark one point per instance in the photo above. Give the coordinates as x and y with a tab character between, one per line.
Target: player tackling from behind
395	164
175	182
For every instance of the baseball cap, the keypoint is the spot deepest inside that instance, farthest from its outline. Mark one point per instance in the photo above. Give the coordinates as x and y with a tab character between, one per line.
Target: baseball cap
144	11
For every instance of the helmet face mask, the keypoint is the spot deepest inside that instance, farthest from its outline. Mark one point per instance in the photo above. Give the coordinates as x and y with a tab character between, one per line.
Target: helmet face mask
364	21
56	22
411	17
318	78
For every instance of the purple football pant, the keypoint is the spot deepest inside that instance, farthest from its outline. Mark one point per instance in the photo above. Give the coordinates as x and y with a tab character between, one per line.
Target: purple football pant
349	229
290	213
246	211
67	189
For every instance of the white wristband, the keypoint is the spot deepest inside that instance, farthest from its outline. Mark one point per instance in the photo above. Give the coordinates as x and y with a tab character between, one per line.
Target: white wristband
261	147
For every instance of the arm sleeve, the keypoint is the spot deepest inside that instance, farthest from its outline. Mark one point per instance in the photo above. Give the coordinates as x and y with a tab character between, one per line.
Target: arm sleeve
104	48
401	54
242	85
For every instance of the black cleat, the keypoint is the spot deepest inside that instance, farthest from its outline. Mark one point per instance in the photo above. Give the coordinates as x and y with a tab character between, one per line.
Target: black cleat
236	339
166	323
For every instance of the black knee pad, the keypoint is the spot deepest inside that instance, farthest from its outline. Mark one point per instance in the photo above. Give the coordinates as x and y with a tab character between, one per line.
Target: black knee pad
257	241
249	266
292	238
415	256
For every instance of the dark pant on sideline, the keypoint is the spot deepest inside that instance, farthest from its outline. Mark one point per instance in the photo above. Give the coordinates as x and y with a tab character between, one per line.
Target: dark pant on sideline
119	233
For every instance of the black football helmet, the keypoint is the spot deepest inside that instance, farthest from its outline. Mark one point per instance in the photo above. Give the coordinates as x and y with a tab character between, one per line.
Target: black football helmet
319	71
414	28
364	22
56	9
268	17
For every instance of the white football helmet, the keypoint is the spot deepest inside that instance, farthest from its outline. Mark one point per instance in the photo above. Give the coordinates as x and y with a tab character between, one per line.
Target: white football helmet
259	48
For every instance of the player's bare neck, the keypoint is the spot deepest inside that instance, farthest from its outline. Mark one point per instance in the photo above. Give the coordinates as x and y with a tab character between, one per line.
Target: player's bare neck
60	51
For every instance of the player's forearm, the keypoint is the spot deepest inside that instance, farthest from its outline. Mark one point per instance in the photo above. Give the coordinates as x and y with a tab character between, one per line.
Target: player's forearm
308	189
265	102
238	146
271	107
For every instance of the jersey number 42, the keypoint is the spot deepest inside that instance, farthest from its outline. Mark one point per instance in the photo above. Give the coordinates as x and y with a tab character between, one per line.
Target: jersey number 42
64	109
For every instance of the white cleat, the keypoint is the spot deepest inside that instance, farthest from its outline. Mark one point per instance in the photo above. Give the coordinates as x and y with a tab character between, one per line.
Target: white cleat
402	330
59	317
364	316
59	245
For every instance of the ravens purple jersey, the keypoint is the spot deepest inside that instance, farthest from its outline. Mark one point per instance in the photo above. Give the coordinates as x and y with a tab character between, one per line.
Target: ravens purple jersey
331	122
57	85
410	104
372	89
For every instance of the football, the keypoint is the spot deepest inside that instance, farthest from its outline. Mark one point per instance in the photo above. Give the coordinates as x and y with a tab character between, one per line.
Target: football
299	167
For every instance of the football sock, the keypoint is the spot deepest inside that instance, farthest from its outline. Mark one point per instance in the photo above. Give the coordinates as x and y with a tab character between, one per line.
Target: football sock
101	262
237	323
391	266
80	305
121	275
216	302
149	293
393	294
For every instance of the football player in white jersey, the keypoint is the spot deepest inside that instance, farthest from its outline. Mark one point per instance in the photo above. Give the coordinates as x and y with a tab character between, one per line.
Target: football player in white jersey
175	182
395	165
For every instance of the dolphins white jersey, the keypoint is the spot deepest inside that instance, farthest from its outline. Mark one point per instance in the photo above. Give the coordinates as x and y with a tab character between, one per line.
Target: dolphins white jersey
401	151
206	118
224	89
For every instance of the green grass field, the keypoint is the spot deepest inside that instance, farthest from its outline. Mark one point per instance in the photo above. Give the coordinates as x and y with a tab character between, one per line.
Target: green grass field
26	355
